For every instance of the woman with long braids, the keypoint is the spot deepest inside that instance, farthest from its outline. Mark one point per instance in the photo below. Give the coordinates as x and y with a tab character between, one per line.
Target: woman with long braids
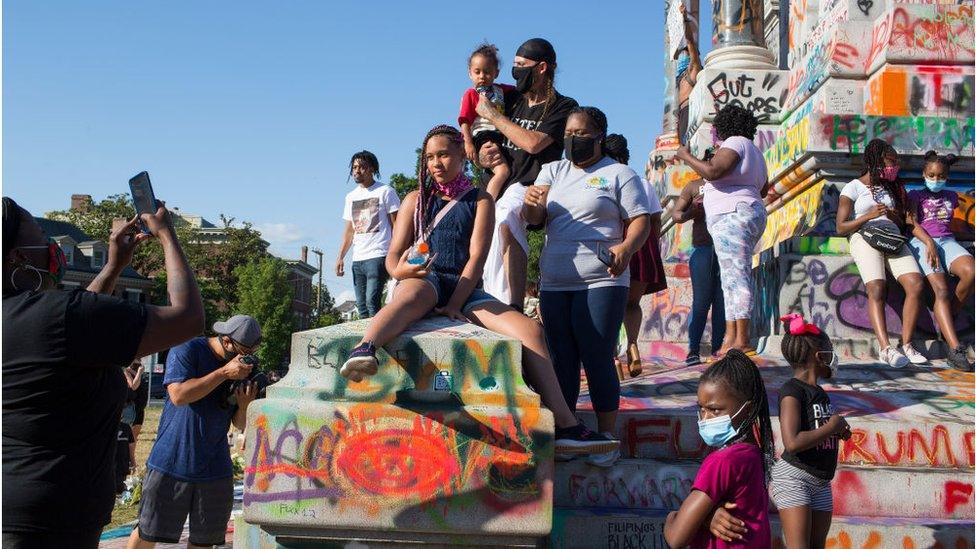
596	215
878	200
733	418
454	219
734	212
533	123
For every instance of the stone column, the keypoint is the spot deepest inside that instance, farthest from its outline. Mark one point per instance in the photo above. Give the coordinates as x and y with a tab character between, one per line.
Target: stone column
737	36
669	123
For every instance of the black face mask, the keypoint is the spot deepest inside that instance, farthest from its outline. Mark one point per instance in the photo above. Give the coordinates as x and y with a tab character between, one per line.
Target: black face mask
524	78
579	150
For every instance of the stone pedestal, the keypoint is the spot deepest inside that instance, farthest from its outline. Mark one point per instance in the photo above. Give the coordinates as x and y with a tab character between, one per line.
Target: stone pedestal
740	57
390	458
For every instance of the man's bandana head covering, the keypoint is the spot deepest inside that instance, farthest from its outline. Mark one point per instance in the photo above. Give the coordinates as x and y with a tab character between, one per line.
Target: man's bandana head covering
537	49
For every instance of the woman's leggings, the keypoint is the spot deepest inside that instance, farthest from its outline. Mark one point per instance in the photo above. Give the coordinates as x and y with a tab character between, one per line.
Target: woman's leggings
735	235
582	327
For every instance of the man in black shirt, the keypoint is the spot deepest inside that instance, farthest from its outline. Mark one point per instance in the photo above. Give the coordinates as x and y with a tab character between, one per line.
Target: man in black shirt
533	137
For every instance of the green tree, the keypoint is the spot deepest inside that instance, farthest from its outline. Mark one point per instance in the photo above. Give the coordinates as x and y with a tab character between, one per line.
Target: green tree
323	310
213	263
265	294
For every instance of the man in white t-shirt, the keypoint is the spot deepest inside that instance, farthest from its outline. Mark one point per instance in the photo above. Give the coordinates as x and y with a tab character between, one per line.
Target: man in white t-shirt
370	211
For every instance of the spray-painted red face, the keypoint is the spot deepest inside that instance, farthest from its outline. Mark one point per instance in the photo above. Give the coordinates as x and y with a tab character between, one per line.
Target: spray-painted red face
444	158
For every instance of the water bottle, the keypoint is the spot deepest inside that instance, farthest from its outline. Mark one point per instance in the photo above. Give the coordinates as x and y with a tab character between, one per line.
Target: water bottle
418	254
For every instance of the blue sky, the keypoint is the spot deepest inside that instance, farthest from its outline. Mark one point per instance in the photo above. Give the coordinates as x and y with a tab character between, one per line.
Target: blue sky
252	109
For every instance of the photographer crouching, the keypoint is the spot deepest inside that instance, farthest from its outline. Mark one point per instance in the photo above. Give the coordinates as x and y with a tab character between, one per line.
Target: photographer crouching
210	383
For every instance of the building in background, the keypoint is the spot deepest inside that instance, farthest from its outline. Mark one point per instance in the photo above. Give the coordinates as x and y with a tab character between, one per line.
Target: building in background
347	310
300	275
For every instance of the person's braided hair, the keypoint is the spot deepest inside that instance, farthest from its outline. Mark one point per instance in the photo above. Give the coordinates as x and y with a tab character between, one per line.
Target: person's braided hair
733	120
615	146
425	186
740	374
797	349
874	165
367	158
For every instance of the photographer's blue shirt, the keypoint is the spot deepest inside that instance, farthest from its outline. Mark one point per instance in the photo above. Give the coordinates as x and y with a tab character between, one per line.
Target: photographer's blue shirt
191	444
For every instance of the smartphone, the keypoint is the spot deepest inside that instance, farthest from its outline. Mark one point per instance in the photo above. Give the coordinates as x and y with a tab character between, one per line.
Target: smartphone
604	255
143	197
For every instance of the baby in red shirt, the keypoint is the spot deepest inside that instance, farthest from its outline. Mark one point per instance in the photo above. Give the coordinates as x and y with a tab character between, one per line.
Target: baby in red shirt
483	67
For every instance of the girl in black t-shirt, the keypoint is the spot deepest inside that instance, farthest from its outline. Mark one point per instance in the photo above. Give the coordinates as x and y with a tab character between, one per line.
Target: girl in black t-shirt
810	431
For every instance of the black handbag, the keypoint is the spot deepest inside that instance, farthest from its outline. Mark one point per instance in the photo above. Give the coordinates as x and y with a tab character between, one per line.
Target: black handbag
884	238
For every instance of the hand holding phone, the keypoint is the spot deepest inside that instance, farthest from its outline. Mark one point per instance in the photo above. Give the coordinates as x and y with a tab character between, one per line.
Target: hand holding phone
604	255
143	197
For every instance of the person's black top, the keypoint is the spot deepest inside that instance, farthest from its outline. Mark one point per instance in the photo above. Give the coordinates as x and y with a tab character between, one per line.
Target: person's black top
63	392
123	439
815	410
525	167
139	399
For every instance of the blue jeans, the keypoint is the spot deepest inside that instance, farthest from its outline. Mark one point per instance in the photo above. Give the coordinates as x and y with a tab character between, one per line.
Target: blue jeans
706	287
369	276
582	327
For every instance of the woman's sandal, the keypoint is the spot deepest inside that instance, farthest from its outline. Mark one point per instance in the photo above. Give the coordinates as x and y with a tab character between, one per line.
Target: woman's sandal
634	360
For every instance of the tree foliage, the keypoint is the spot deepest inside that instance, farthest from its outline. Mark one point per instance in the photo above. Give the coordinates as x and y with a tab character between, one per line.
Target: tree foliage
265	294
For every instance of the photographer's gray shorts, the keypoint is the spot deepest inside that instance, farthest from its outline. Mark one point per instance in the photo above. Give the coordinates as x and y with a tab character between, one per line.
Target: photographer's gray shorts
166	502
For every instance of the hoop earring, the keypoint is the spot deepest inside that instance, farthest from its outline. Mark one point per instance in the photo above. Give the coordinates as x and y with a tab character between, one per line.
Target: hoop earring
40	279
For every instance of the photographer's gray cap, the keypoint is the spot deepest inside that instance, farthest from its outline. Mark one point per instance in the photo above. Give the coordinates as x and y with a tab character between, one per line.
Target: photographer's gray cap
241	328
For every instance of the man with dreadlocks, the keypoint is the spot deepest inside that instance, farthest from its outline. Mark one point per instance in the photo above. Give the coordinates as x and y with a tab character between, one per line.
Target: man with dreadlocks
734	419
878	200
455	219
533	137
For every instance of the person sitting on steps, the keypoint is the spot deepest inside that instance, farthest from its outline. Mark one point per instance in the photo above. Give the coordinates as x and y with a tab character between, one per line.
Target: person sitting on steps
449	282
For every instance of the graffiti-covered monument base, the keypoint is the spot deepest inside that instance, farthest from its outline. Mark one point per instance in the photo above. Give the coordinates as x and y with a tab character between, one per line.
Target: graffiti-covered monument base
393	459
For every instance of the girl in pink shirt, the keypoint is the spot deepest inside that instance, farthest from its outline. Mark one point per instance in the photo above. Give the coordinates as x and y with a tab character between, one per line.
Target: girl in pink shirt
734	419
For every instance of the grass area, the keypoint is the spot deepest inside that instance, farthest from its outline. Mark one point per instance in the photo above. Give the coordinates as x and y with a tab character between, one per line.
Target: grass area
128	513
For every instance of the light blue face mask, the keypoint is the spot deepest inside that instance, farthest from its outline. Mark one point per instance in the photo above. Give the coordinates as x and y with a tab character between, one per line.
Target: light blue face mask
935	185
718	430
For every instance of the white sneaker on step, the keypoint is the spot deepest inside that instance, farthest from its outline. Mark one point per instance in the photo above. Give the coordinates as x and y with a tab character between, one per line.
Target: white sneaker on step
893	357
606	459
913	355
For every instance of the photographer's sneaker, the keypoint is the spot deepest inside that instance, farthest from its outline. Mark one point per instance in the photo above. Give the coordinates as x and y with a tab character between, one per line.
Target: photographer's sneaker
913	355
893	357
958	358
361	363
606	459
580	440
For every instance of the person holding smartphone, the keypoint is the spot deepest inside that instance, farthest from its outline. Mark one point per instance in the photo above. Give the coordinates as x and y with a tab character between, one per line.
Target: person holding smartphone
596	215
63	387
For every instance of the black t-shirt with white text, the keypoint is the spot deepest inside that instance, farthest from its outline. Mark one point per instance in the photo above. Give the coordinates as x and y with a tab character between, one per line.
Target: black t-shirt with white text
63	391
815	410
525	166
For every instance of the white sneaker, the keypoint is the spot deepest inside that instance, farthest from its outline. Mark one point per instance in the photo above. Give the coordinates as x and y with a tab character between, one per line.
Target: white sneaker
893	357
606	459
913	355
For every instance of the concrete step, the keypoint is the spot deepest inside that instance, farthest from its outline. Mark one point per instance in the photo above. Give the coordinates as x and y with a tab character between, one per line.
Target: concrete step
632	529
913	417
858	491
485	367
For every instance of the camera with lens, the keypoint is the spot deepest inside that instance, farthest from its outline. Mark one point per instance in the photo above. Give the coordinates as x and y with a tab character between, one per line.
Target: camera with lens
256	377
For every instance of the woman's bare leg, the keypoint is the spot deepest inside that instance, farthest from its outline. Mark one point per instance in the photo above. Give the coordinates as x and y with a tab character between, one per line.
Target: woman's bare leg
537	366
412	300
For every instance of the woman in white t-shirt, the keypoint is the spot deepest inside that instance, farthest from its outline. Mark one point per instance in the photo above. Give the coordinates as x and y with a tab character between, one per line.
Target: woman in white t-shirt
878	199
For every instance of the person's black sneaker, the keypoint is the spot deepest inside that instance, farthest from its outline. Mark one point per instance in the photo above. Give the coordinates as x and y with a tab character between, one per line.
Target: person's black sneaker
580	440
361	363
959	359
693	359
